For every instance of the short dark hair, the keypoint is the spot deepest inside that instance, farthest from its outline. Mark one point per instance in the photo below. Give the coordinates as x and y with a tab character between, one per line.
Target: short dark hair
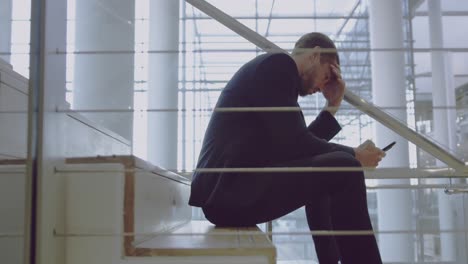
314	39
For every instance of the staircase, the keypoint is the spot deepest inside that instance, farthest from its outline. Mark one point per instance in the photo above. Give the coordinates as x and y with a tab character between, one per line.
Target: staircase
111	207
121	209
124	194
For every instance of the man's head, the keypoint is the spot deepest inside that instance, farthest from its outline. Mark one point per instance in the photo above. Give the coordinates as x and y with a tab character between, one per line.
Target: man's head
314	53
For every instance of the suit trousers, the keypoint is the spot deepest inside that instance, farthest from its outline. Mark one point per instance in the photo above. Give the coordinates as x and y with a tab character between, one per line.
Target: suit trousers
333	200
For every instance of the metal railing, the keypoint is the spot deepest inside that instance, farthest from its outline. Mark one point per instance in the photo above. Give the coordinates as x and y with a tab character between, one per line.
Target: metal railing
361	104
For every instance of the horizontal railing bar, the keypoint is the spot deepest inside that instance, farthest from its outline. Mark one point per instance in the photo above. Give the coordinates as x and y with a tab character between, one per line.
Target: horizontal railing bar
325	16
249	50
370	173
177	177
11	172
11	235
262	233
232	109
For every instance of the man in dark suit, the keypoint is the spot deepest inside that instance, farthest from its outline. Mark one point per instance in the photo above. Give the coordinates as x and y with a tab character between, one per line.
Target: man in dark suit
334	200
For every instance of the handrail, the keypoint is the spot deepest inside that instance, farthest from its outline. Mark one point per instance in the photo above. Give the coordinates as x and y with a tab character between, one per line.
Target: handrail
403	130
361	104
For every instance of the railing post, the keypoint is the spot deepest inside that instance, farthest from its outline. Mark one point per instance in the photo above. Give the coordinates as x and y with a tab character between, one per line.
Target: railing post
269	227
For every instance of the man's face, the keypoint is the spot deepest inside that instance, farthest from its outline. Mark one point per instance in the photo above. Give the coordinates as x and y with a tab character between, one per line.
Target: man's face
316	75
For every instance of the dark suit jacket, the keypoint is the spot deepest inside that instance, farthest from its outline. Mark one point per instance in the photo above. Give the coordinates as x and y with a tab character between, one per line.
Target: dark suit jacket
259	139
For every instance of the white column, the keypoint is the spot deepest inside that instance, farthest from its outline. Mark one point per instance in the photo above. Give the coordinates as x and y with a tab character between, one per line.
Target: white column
104	70
5	29
388	87
163	82
443	94
47	78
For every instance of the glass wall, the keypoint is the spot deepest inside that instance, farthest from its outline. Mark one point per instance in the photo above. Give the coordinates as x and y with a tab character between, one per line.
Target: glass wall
141	79
14	95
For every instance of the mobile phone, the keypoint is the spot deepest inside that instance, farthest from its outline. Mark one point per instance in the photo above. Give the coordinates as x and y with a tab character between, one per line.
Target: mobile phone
389	146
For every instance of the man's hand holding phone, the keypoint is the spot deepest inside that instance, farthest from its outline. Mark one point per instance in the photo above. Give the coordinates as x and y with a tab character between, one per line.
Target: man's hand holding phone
389	146
368	154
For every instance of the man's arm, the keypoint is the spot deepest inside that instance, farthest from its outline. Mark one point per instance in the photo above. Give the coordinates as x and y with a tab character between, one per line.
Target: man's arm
334	90
325	126
274	83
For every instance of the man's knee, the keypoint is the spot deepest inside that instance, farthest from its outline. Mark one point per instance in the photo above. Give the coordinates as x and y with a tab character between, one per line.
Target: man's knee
354	178
343	159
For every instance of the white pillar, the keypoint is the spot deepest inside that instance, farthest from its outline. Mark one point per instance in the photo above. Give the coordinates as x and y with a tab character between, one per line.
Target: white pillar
163	82
443	95
104	71
388	87
5	29
48	127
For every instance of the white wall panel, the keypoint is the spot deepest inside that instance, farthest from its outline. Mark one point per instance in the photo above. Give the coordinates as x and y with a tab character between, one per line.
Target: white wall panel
12	187
94	205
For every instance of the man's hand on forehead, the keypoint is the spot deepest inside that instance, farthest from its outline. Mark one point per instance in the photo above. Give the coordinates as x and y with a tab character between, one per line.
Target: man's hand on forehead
335	70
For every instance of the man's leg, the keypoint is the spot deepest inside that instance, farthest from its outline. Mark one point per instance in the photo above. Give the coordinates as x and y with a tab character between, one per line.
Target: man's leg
319	218
349	212
282	193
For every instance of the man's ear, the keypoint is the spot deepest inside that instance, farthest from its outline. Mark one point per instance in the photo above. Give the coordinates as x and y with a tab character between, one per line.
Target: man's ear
315	54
